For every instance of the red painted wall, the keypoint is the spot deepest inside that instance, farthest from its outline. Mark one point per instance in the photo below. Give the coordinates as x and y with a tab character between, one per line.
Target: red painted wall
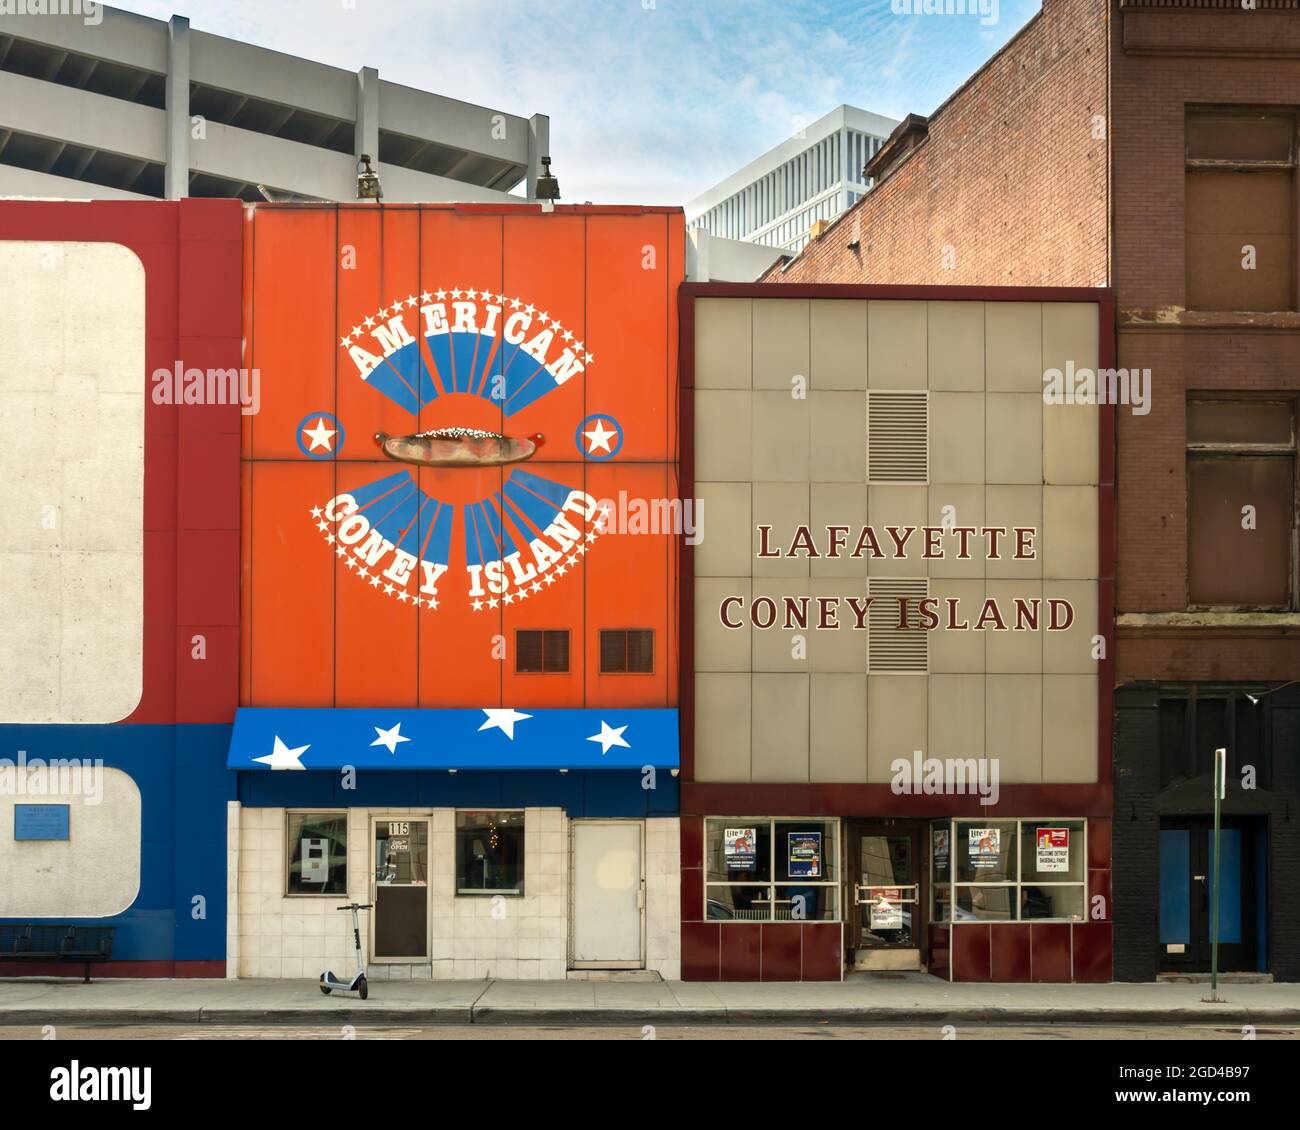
191	251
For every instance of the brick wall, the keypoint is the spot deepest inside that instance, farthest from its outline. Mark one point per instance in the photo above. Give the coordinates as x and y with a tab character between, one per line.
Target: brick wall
1139	804
1011	177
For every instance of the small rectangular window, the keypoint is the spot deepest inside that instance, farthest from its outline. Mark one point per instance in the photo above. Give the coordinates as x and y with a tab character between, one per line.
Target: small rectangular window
542	651
317	853
627	651
489	853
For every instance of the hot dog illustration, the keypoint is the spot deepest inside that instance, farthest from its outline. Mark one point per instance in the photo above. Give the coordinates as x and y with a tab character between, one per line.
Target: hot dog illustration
459	447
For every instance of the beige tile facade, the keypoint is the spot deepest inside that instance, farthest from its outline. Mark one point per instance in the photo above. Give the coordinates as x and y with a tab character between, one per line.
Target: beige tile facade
270	934
781	411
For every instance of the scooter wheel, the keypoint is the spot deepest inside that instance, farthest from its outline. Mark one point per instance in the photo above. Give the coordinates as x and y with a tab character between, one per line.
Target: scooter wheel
324	988
363	989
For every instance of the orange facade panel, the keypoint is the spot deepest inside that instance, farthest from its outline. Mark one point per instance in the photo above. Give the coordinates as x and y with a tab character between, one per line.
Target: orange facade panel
540	352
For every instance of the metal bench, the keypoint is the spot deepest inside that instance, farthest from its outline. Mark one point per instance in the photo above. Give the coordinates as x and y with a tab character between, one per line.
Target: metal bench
81	944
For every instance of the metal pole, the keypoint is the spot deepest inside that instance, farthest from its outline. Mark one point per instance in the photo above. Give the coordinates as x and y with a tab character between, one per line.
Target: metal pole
1220	780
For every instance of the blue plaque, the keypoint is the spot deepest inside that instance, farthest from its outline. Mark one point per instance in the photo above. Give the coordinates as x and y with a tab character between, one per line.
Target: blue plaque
40	822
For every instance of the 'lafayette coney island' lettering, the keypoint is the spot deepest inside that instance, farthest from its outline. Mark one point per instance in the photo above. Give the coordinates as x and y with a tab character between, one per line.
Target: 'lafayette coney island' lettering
476	313
397	567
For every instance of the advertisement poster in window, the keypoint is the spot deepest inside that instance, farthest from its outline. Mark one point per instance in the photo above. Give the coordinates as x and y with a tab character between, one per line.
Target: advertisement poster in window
940	847
985	848
887	910
739	847
805	855
1053	849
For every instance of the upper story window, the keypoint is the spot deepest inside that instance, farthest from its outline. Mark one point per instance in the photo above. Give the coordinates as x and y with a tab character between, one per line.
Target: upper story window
1194	725
1240	210
541	652
627	651
1241	502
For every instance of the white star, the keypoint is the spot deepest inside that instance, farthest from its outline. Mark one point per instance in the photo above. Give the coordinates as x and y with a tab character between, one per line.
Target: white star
322	525
320	435
493	602
410	300
282	757
316	512
388	590
609	736
389	738
356	331
589	358
345	342
477	606
502	719
441	295
369	322
425	296
600	438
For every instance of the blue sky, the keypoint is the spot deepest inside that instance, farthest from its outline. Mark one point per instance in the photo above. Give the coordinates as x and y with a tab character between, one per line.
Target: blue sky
651	101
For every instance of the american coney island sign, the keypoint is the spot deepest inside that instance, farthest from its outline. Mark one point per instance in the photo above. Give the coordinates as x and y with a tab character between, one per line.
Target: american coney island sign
466	365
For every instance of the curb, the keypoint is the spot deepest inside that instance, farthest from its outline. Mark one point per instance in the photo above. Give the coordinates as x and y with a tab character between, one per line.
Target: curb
569	1016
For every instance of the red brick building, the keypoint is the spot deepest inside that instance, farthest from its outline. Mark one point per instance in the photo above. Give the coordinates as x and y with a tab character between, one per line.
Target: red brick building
1151	146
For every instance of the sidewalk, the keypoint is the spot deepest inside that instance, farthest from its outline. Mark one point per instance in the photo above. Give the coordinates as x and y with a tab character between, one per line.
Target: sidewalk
915	999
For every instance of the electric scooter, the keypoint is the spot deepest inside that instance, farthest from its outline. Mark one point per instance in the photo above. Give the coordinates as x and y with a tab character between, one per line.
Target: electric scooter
358	985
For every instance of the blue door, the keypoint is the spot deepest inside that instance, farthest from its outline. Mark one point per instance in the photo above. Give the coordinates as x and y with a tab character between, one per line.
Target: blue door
1186	890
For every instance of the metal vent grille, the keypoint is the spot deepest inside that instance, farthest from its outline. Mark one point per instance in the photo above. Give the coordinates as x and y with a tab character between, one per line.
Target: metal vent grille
889	647
898	437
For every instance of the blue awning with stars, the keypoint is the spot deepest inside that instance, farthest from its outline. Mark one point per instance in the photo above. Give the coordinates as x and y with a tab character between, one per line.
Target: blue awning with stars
486	738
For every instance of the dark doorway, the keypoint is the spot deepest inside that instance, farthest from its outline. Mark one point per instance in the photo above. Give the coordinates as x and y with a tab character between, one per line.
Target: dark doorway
887	887
1186	887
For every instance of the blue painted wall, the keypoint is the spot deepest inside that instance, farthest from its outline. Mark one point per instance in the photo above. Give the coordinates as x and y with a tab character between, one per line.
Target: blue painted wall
591	793
184	786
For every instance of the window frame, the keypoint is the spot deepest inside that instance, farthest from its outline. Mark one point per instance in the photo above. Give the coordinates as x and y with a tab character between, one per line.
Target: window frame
773	883
1201	449
1248	165
491	892
332	813
1012	884
544	670
600	654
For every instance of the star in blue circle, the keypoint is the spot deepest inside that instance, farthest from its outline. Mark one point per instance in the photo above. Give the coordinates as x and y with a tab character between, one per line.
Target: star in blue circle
320	435
599	437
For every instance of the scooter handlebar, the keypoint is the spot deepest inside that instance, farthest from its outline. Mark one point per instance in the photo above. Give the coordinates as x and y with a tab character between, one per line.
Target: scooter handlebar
356	906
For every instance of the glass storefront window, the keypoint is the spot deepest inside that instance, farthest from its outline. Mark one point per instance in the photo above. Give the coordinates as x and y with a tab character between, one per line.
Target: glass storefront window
401	853
317	853
766	869
489	853
1052	851
995	904
986	851
1008	870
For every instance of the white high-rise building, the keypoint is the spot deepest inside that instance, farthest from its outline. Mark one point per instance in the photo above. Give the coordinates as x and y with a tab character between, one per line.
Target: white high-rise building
815	175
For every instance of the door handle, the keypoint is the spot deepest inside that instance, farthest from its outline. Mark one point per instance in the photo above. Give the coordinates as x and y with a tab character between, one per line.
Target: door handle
1199	878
